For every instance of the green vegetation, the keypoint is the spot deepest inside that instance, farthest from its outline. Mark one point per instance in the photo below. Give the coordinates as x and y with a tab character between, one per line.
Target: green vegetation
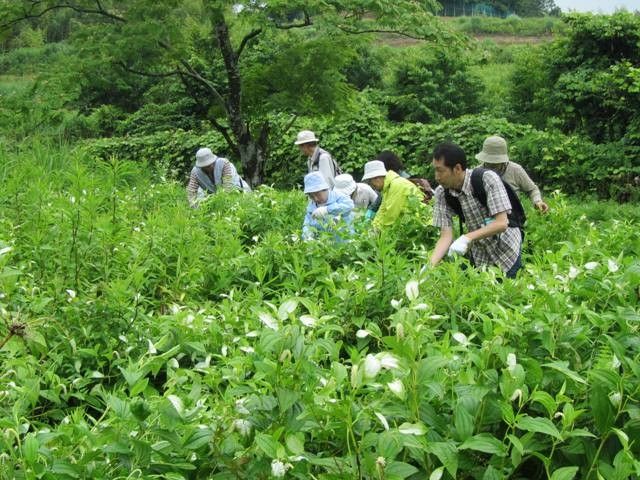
512	25
140	338
143	336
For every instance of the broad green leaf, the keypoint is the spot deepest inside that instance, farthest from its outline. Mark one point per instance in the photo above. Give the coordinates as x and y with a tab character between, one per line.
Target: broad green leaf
492	474
400	469
537	424
563	367
268	445
131	375
485	442
64	467
447	453
565	473
603	415
199	438
295	443
30	448
546	400
463	421
286	399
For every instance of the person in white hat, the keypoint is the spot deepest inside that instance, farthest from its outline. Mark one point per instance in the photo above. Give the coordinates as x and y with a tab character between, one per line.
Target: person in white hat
211	173
395	190
318	160
363	195
494	156
327	211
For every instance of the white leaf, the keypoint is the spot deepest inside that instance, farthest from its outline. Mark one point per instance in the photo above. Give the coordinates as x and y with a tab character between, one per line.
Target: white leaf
461	338
383	420
5	250
411	289
388	360
437	474
412	428
177	403
151	347
287	308
268	321
371	366
573	272
362	334
308	321
613	266
397	387
512	361
591	265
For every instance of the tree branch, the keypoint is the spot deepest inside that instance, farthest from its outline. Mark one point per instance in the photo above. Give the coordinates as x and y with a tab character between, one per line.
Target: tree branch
150	74
31	13
306	23
246	39
395	32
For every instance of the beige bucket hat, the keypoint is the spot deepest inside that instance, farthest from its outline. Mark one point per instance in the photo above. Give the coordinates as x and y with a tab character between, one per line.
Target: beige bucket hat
494	150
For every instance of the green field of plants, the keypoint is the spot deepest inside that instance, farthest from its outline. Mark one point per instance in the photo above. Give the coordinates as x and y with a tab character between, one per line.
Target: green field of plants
145	339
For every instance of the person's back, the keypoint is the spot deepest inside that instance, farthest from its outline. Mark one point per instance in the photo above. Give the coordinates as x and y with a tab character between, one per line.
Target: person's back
495	156
396	195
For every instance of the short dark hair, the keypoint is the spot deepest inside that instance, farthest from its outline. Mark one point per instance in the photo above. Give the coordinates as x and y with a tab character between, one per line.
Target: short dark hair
451	154
391	161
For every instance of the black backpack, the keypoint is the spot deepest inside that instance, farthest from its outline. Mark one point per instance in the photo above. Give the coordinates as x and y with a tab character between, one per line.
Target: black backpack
517	217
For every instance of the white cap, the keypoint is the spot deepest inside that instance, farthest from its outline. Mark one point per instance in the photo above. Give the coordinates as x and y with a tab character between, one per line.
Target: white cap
344	184
373	169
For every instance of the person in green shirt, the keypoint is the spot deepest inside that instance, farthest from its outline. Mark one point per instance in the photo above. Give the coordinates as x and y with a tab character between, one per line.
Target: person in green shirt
396	193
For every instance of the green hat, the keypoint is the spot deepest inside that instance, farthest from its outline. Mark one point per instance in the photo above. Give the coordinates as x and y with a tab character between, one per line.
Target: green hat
494	150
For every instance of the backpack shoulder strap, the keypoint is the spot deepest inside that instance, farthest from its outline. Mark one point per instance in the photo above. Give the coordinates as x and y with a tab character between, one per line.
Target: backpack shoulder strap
477	185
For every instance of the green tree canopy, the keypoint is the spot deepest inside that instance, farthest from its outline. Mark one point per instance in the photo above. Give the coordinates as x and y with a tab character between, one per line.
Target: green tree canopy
238	60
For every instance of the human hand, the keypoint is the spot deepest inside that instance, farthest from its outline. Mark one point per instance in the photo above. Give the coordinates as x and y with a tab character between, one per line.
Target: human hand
543	207
319	212
460	246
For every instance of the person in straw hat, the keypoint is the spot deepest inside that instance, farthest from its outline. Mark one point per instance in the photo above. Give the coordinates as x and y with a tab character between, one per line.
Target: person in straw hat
327	211
318	160
494	156
211	173
363	195
396	193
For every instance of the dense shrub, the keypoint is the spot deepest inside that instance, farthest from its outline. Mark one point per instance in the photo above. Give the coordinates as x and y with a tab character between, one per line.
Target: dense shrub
557	161
433	84
585	82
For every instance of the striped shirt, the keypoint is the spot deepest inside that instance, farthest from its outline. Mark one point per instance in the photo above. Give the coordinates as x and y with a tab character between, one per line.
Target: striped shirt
502	249
227	178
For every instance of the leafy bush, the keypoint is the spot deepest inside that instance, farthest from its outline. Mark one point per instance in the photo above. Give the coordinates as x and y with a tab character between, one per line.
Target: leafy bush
585	82
556	161
140	335
433	84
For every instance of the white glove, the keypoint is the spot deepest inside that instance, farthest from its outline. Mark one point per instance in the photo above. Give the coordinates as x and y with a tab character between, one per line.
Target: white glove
319	212
460	246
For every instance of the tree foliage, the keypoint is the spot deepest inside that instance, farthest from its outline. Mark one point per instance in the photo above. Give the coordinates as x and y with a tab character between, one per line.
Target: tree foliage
237	59
587	81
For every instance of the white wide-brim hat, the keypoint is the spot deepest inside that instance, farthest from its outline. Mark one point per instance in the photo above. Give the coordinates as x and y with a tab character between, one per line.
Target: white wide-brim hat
494	150
306	136
205	157
373	169
344	184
